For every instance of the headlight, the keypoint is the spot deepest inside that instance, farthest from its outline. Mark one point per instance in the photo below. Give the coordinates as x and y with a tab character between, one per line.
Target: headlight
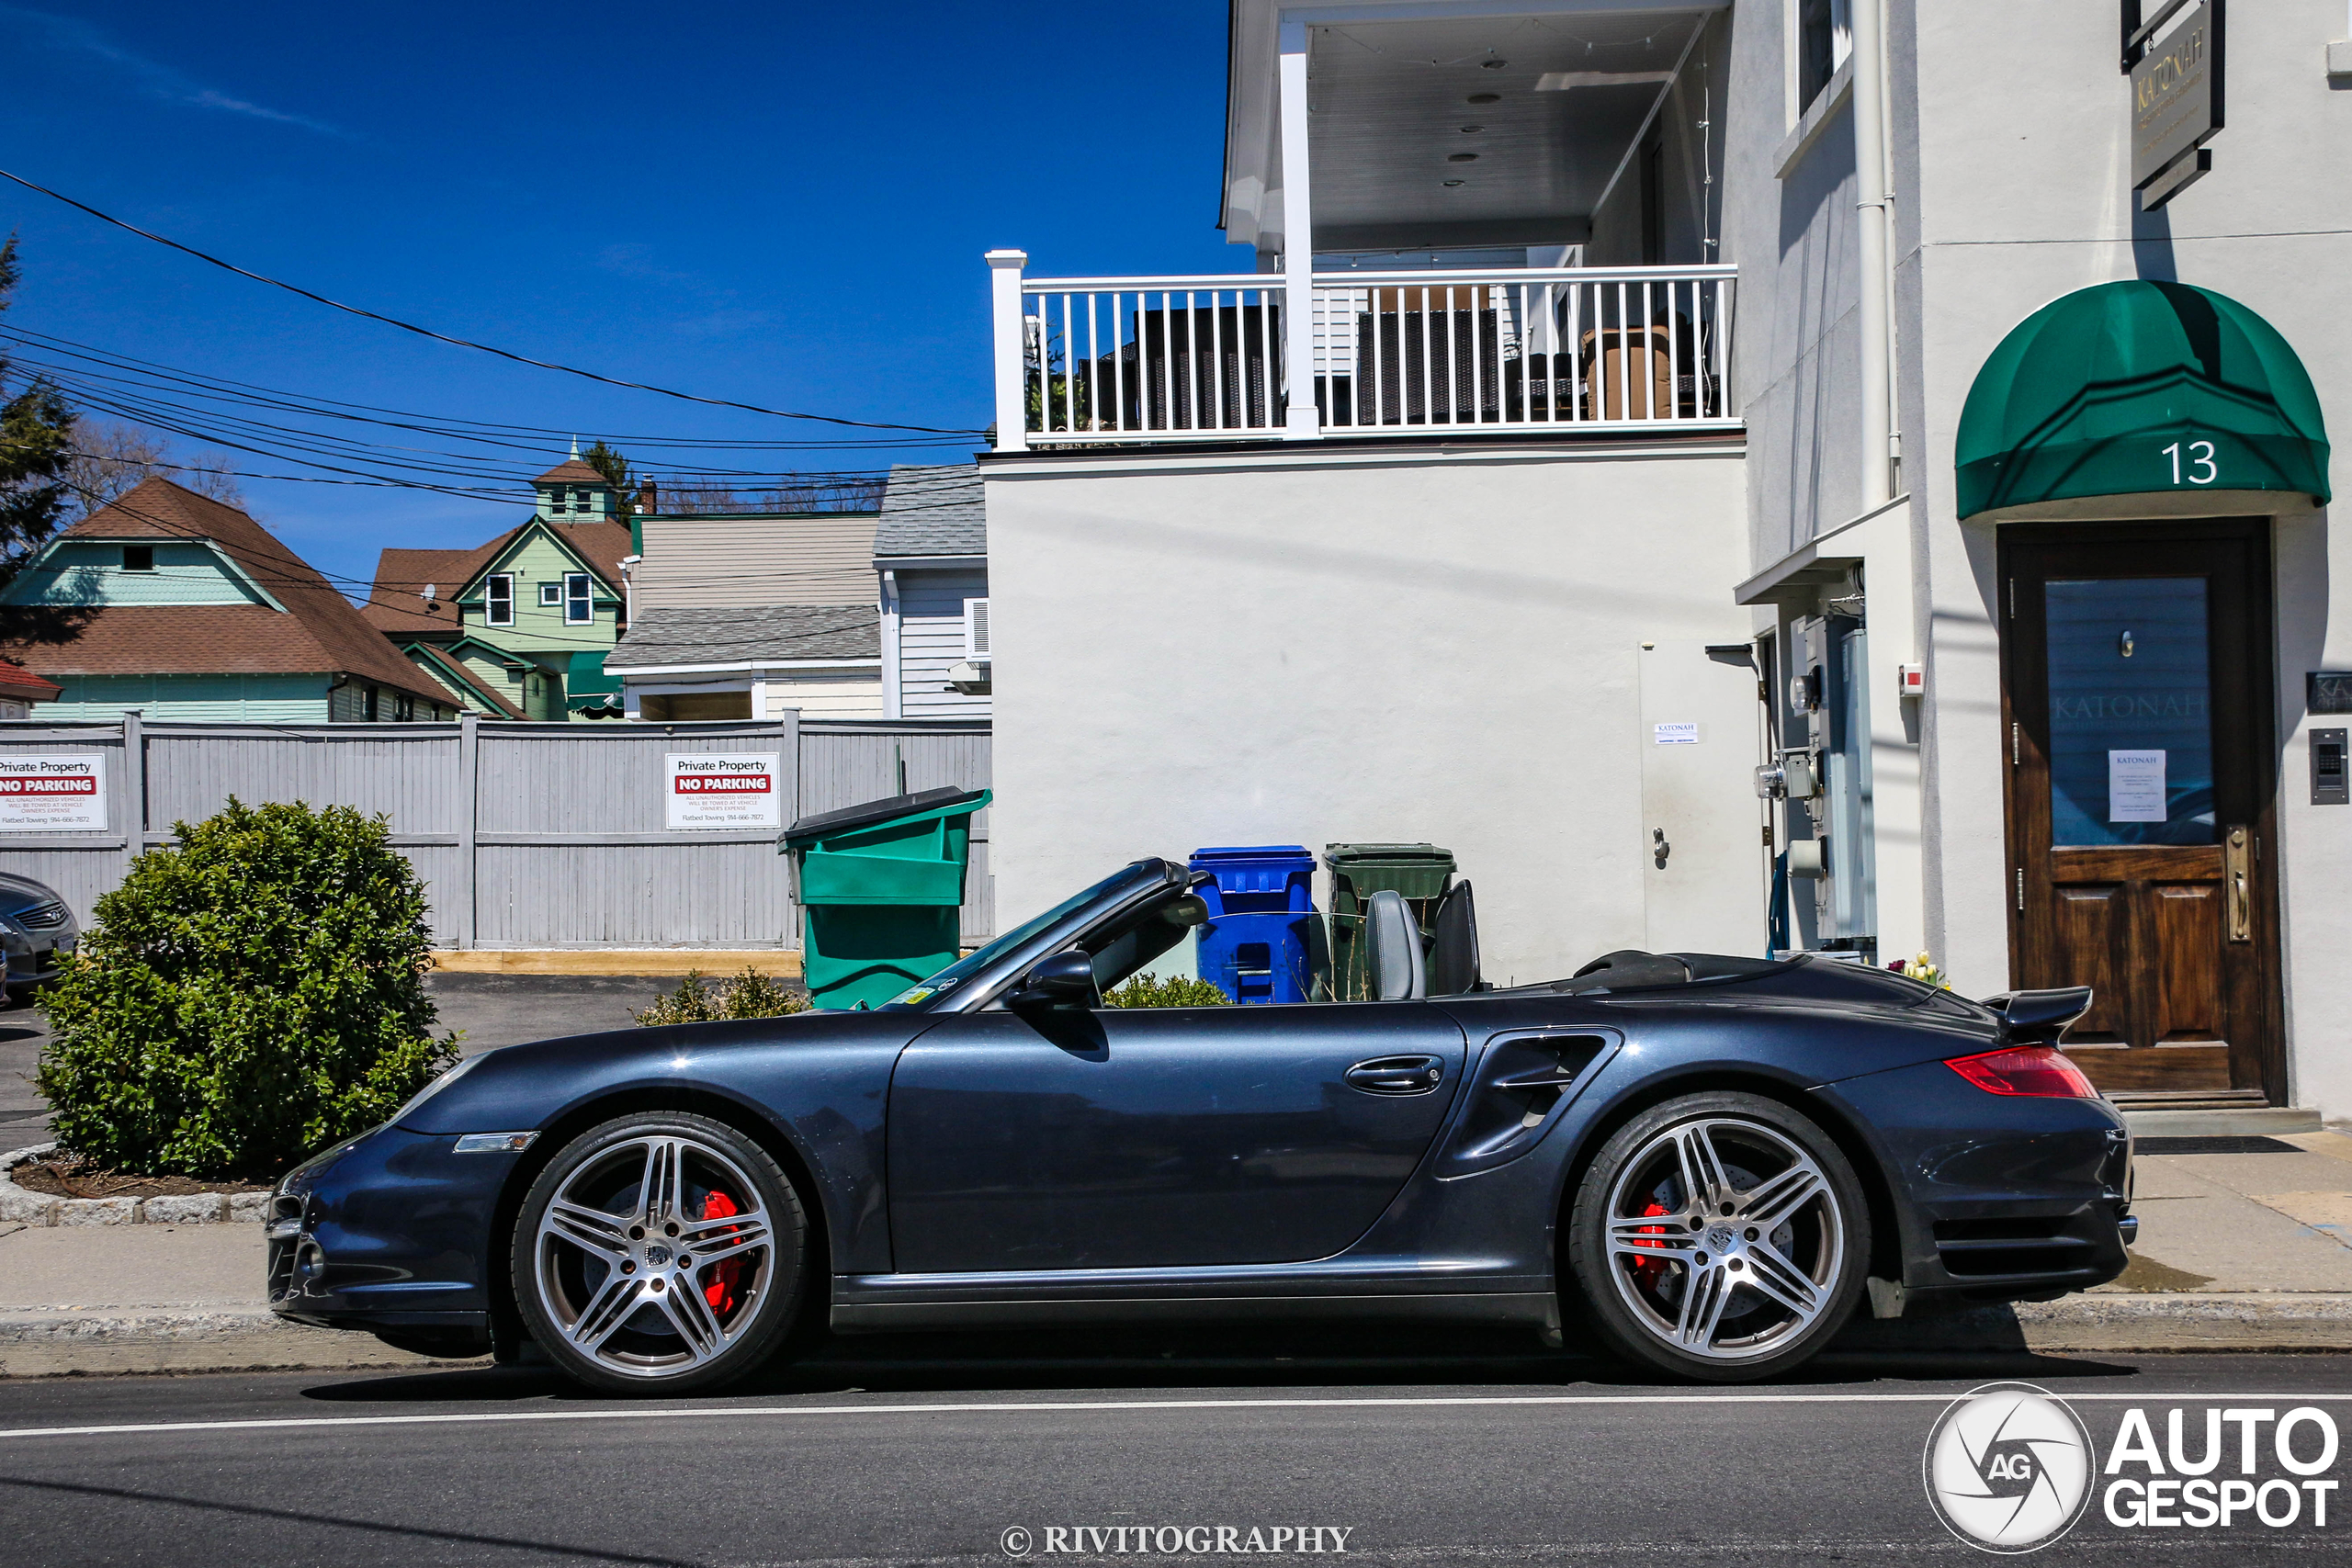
435	1087
13	937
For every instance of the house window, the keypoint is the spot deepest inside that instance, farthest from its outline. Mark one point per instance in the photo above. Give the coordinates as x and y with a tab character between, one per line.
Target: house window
138	557
579	608
550	593
498	599
555	498
976	629
372	696
404	709
1824	37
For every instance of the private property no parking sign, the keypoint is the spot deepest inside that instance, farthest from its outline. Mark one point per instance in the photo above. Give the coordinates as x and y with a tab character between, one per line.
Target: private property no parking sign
53	793
705	790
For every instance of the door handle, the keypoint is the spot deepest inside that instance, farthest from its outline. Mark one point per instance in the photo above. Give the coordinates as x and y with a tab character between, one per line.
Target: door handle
1397	1075
2236	891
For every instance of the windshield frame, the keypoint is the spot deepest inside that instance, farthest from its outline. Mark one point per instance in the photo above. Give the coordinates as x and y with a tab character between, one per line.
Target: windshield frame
976	979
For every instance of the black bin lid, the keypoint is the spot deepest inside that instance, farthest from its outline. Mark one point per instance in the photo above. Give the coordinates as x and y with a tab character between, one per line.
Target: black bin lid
868	813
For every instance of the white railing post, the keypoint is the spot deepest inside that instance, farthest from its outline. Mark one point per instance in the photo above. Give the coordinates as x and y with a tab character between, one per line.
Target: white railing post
1298	243
1012	350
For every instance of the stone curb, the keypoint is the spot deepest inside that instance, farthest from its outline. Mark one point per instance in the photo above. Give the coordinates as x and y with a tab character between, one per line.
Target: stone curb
112	1340
20	1206
2121	1322
103	1341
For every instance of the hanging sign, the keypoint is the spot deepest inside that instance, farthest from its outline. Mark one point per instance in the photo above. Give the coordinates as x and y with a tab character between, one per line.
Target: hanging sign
64	794
703	790
2177	104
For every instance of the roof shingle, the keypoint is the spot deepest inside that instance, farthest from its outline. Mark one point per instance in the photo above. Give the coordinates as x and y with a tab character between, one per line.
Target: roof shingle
728	635
933	510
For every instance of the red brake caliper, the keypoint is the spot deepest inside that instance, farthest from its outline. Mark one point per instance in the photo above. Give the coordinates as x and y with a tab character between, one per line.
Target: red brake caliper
1648	1272
725	1274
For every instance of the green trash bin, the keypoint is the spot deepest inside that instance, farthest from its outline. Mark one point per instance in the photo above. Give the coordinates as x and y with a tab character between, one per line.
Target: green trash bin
1422	873
882	888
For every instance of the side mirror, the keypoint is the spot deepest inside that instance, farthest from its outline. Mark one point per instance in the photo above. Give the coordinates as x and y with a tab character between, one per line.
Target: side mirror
1064	980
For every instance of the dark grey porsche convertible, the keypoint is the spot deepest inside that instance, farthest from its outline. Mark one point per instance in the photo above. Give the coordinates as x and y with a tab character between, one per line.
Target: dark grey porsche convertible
1703	1164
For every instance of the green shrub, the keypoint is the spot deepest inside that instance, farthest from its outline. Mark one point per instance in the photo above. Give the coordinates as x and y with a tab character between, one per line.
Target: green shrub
748	995
251	992
1153	991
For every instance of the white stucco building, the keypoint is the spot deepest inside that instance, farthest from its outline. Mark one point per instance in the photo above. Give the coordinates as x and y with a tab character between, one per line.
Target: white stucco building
1674	390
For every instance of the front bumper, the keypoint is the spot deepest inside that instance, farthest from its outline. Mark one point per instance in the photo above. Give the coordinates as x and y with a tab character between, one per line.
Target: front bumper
1996	1197
39	965
394	1232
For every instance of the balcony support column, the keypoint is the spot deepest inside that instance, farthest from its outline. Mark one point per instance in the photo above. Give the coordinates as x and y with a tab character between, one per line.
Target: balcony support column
1303	422
1012	350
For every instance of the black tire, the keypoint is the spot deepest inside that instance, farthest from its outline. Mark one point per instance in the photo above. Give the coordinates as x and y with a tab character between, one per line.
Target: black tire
1732	1275
602	1268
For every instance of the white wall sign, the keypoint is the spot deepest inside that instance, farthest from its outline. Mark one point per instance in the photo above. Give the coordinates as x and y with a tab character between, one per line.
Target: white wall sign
2135	787
52	794
713	791
1675	733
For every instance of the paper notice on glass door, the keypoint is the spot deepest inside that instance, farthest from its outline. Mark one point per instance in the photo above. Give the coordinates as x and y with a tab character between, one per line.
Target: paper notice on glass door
2135	787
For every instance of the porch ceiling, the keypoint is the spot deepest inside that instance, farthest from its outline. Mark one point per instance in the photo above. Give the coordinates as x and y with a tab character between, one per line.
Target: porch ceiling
1388	98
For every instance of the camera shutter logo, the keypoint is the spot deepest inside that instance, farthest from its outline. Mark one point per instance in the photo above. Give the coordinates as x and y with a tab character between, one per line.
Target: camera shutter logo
2008	1467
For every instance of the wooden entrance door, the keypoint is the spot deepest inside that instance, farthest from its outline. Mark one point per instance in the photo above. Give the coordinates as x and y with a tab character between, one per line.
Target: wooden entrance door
2137	689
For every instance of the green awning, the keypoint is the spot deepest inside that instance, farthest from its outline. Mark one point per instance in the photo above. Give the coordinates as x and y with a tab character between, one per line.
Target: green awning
2126	388
585	684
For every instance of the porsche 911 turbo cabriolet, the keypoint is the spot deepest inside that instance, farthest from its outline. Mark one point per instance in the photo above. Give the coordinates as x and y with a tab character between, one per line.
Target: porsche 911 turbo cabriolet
1703	1165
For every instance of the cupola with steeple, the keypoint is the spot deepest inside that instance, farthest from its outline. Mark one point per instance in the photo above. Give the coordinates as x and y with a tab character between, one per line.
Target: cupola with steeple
572	492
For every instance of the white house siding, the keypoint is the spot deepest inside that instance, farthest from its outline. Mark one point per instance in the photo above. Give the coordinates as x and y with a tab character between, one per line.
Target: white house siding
2009	192
930	640
1328	645
721	560
825	693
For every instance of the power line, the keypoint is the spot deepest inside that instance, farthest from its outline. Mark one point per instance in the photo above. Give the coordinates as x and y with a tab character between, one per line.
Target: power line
466	342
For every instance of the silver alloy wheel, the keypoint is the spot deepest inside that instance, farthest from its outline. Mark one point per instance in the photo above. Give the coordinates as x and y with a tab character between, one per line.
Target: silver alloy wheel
1714	1260
655	1256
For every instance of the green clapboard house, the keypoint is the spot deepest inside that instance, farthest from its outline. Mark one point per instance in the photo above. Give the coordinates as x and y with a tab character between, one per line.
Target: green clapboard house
191	611
519	628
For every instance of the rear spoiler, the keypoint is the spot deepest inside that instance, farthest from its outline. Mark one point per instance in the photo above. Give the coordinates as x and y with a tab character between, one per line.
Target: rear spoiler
2039	1018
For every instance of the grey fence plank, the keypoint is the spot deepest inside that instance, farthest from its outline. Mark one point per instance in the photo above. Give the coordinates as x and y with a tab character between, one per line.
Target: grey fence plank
528	835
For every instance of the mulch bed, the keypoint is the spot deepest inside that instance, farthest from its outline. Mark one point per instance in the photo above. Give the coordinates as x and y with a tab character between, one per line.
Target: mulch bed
68	1175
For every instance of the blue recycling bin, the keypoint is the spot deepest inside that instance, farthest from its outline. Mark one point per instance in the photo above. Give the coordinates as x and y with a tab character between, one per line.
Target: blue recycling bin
1262	938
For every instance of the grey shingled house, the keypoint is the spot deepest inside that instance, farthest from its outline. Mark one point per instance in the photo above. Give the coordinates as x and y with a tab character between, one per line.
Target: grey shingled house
931	552
742	615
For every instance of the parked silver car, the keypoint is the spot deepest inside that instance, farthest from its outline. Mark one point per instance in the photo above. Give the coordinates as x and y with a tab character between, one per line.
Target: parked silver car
37	928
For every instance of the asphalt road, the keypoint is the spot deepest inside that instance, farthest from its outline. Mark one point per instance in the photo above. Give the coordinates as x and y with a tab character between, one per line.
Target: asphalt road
927	1453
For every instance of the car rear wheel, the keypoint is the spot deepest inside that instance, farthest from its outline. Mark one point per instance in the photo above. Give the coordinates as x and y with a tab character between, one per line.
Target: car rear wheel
1721	1237
660	1251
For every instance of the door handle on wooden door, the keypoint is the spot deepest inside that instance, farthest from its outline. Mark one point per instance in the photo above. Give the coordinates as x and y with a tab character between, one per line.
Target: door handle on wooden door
2238	894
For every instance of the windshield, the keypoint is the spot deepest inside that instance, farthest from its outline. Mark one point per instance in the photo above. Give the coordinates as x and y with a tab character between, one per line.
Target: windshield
971	963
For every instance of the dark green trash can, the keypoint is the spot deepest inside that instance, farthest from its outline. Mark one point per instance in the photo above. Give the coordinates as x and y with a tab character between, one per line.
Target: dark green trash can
882	885
1422	873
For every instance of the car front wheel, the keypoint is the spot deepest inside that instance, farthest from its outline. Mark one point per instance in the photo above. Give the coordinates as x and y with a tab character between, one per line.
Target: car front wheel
1719	1237
660	1251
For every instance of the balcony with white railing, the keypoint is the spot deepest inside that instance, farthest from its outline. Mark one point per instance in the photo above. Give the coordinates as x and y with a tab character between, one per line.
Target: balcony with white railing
1532	350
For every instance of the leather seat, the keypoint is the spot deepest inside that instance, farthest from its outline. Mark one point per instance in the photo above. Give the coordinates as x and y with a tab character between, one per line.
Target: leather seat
1396	944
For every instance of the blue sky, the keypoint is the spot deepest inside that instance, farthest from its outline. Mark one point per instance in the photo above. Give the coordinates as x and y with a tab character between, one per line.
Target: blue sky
784	204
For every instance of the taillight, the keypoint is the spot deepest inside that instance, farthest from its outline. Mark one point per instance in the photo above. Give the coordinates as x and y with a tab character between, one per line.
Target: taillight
2025	1070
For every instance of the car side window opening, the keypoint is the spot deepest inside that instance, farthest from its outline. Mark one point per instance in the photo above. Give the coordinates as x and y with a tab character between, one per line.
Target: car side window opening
1124	949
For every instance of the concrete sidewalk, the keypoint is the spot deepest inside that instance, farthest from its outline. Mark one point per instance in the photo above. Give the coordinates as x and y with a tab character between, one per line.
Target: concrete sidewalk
152	1299
2246	1248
